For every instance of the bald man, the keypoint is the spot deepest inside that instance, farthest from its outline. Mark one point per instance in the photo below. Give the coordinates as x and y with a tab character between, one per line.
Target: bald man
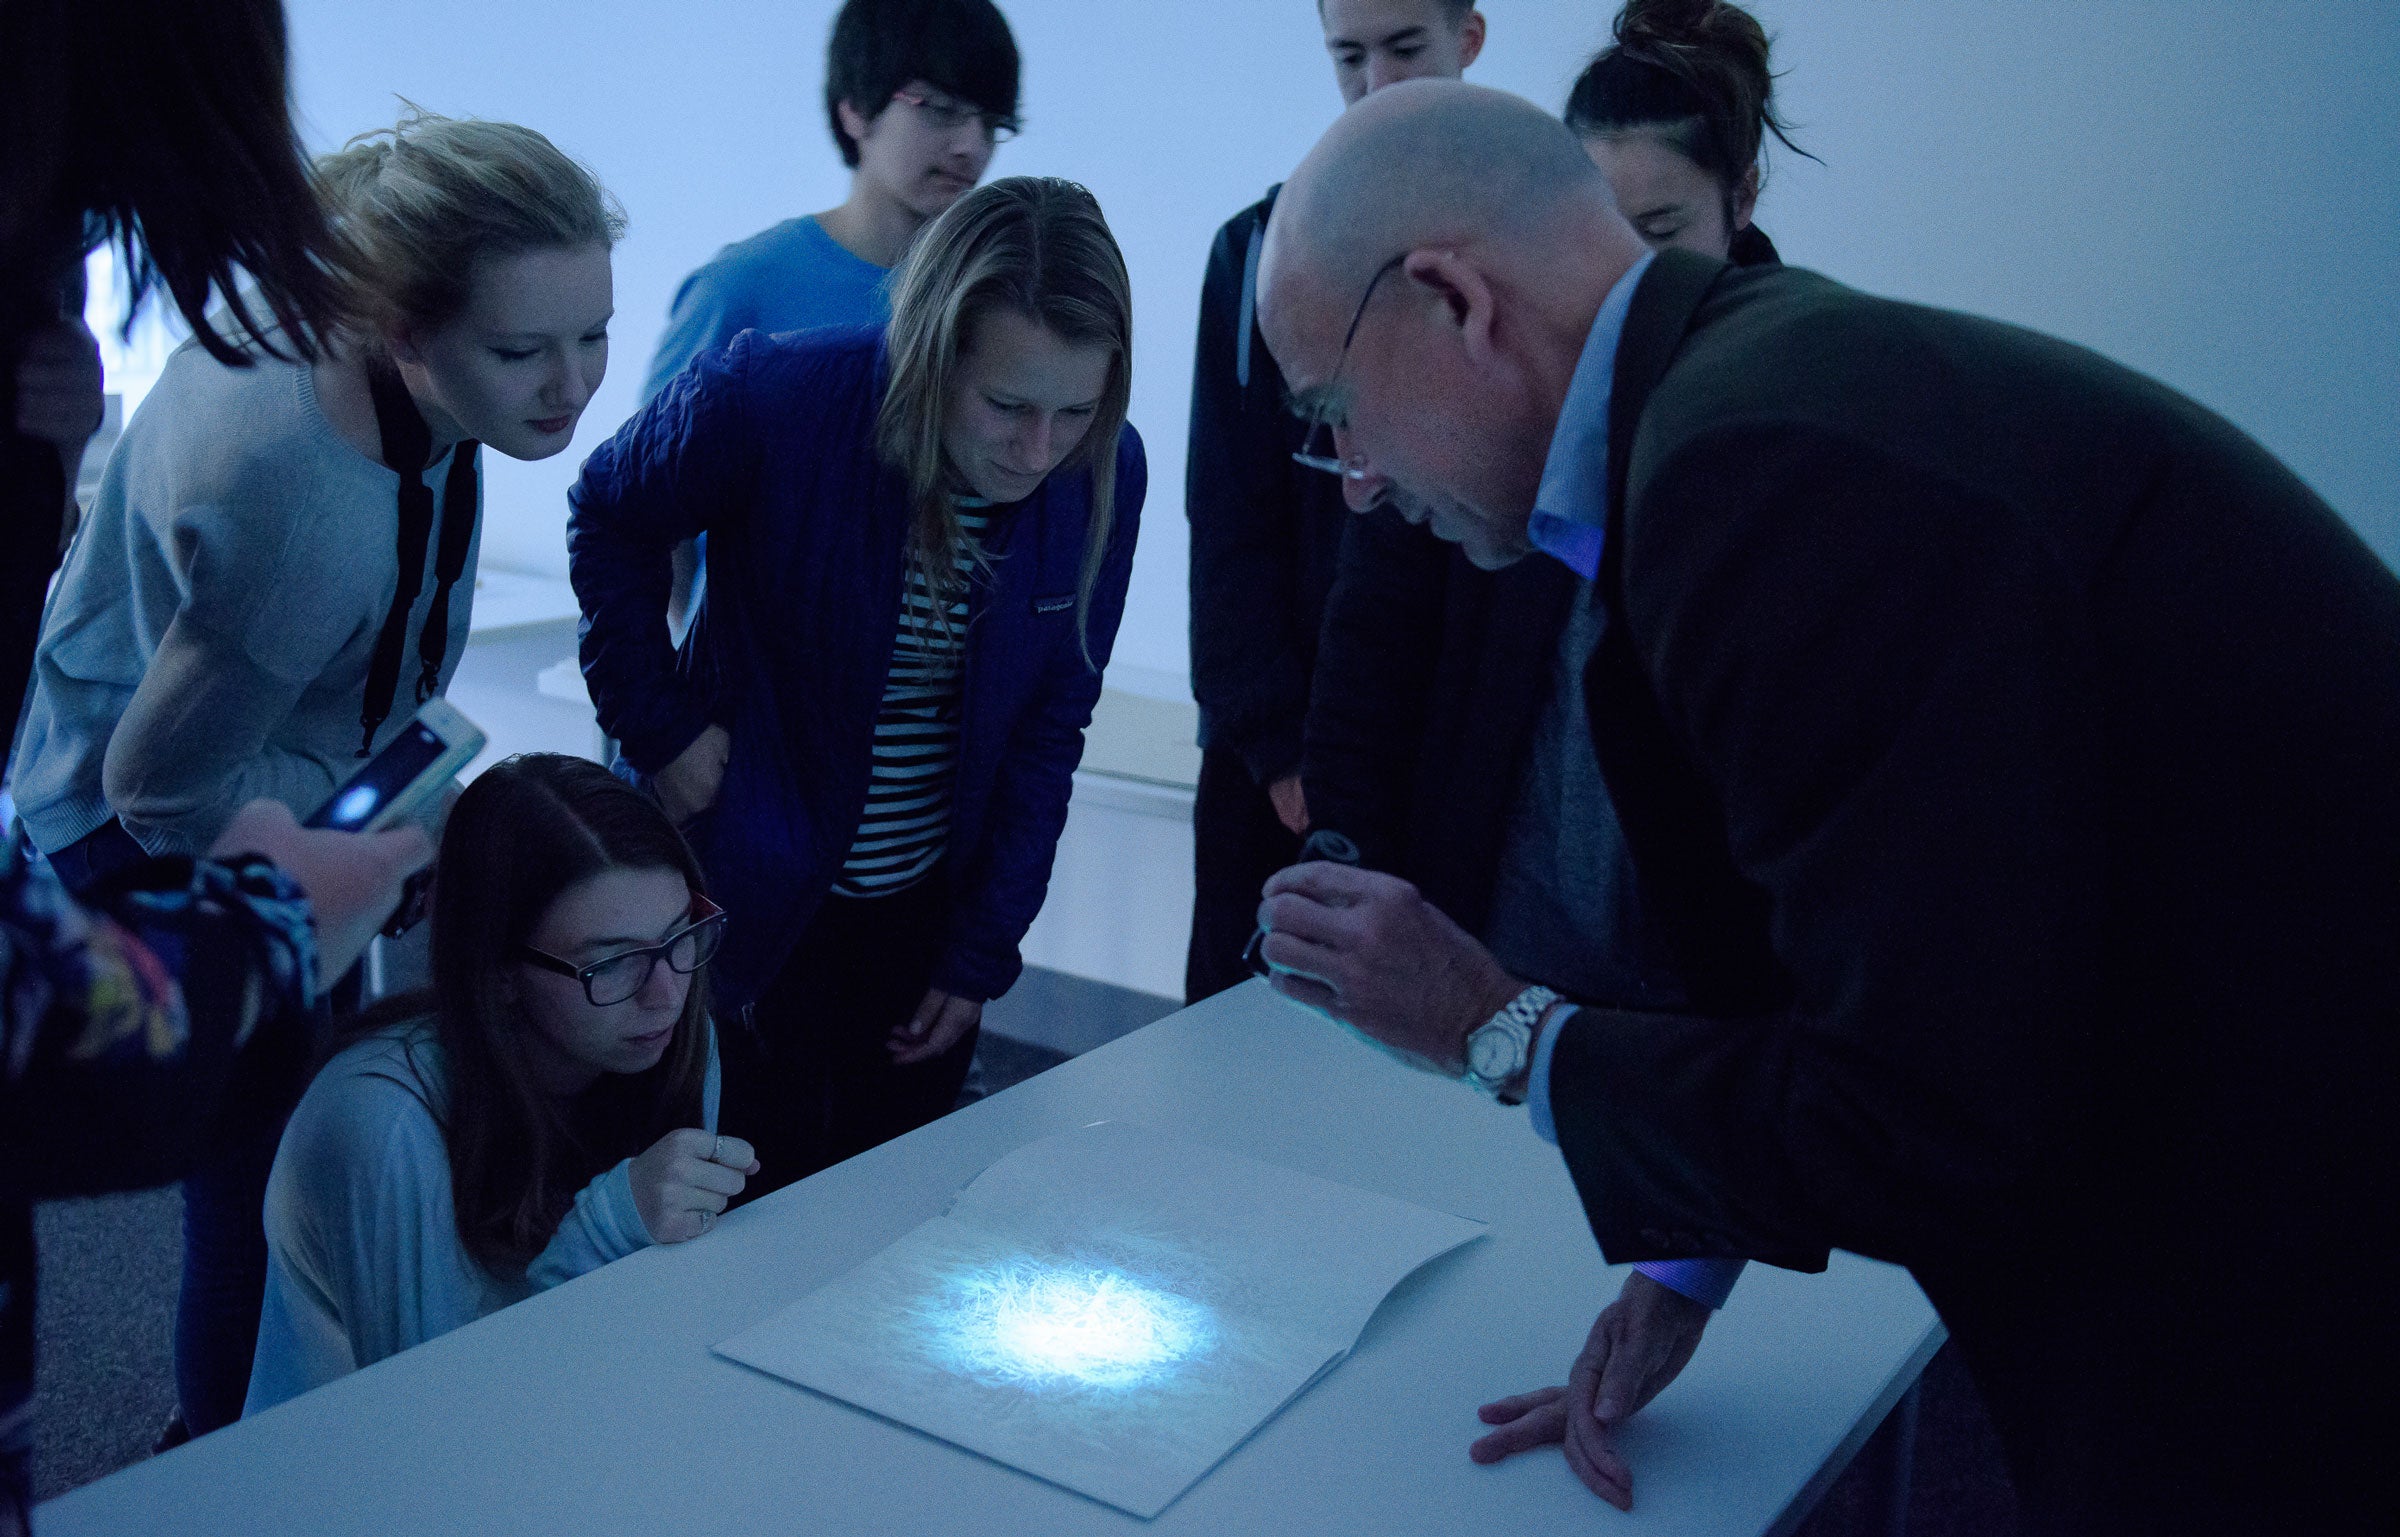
2007	751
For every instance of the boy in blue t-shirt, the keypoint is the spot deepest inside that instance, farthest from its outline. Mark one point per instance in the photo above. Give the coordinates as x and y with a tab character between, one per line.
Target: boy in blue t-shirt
918	94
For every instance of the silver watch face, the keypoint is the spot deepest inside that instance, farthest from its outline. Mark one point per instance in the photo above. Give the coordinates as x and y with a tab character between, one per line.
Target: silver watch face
1491	1054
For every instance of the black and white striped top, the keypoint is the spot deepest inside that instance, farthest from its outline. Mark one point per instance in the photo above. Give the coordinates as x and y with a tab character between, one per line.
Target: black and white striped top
906	826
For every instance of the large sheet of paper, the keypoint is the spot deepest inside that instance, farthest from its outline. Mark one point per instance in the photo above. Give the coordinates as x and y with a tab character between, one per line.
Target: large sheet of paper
1109	1309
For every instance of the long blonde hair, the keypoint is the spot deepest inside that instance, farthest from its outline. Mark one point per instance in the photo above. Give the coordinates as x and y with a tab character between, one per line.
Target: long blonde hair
1036	245
422	203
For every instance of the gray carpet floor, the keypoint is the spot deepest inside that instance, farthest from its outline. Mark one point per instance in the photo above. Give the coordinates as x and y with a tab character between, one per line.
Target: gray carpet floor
107	1299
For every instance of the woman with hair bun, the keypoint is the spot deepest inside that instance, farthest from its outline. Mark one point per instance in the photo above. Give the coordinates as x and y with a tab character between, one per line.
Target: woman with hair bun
1676	113
280	562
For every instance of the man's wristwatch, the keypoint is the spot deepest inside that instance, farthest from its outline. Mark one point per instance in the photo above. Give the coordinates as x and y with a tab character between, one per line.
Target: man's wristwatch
1502	1047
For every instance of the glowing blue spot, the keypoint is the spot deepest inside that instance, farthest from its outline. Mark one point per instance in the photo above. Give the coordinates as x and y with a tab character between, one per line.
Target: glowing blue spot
356	806
1033	1324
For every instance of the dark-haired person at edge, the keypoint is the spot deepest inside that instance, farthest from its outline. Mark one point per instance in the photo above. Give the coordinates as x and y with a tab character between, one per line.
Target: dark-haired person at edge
925	535
280	565
918	93
549	1106
1447	731
141	1025
2004	744
1266	532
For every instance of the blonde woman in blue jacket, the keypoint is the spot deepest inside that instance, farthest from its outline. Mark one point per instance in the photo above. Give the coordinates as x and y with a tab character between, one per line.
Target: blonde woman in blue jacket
921	540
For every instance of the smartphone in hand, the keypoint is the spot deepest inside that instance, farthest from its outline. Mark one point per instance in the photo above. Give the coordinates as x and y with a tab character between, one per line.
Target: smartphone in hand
405	775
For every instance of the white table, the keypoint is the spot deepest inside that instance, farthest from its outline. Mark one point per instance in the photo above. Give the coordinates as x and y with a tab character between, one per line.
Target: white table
597	1408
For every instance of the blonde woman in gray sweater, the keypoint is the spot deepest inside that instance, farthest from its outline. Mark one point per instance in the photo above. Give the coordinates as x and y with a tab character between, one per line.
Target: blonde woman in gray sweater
280	562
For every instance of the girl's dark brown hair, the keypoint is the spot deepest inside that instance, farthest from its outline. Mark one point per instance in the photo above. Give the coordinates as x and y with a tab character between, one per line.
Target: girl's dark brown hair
165	125
1695	72
525	831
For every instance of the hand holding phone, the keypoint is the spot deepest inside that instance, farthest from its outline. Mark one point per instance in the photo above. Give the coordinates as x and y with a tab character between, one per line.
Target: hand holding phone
405	775
353	880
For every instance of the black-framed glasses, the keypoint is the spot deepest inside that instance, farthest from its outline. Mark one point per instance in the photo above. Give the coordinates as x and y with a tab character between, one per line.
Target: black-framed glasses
948	114
1332	463
620	976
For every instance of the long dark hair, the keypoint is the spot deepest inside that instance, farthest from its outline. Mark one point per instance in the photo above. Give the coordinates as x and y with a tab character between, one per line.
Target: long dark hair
526	830
1693	71
166	126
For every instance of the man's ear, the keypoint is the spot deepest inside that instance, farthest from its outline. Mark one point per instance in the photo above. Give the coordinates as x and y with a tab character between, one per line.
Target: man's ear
1470	39
854	122
1467	296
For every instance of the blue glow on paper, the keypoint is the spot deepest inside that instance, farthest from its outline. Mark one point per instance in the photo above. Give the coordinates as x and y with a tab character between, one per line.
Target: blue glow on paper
1040	1324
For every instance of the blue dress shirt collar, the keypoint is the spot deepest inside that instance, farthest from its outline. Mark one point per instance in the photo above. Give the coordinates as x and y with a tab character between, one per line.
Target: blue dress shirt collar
1570	511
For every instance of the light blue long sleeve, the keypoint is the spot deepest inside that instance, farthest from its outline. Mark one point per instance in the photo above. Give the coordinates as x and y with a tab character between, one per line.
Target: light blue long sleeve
363	1253
789	278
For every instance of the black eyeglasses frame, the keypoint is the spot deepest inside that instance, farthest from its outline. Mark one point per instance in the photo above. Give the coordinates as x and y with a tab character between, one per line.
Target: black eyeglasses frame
1334	464
704	914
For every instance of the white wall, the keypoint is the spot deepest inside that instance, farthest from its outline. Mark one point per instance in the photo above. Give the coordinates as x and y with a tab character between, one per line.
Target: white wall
2207	189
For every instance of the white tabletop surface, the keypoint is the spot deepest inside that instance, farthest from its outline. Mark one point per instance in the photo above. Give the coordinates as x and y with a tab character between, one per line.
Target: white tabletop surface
597	1408
508	600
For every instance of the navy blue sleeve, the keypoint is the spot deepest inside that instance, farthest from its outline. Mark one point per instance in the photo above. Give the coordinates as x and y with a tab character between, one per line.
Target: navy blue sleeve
1037	772
684	464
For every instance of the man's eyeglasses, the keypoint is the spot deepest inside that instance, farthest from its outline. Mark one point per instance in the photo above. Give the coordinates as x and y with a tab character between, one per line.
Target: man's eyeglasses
1328	461
620	976
948	114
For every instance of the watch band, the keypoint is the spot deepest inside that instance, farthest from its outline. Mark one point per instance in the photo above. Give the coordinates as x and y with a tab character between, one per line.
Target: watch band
1500	1048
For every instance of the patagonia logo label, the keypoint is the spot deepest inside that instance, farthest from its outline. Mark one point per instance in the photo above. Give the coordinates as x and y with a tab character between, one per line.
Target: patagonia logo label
1057	605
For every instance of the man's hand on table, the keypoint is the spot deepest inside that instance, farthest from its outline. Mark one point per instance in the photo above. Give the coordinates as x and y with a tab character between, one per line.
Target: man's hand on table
1369	950
1638	1345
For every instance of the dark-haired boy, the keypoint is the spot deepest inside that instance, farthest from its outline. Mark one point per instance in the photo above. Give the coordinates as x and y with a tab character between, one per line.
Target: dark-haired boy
1265	531
918	93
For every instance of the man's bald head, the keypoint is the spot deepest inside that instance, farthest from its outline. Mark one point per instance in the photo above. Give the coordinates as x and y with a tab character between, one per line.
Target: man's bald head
1432	163
1431	275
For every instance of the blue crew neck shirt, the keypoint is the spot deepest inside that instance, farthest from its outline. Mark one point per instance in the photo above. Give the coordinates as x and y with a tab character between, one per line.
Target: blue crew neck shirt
793	277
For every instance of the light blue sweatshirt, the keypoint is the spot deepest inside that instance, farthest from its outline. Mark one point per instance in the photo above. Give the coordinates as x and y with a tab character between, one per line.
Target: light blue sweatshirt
793	277
363	1253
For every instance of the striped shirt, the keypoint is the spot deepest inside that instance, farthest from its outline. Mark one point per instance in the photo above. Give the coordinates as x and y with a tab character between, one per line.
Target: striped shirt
906	826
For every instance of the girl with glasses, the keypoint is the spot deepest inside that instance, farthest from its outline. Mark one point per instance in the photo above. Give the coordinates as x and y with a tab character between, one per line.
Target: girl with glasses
923	539
549	1107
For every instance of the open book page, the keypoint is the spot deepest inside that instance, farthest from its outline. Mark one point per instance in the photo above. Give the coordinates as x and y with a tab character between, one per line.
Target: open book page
1110	1310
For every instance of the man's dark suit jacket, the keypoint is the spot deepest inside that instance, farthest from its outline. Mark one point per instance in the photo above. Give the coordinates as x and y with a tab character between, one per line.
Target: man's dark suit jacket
1430	678
2011	748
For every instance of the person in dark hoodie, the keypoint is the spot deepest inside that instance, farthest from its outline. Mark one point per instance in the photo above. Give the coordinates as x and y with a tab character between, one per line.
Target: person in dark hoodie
1267	531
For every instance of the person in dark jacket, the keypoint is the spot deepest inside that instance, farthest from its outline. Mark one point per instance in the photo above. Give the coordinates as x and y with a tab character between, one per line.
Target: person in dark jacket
1266	531
150	1024
2005	746
922	538
1446	703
